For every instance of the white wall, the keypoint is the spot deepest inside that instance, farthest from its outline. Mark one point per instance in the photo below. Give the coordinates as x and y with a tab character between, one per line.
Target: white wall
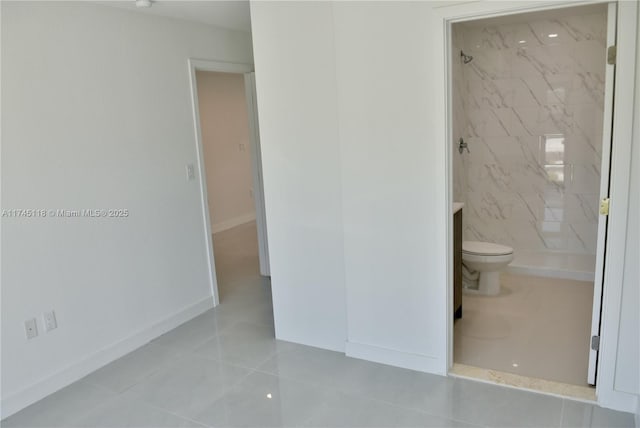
295	78
225	143
351	103
628	355
376	176
100	117
394	266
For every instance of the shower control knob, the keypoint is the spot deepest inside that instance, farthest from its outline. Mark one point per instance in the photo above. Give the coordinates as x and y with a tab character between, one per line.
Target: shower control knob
462	146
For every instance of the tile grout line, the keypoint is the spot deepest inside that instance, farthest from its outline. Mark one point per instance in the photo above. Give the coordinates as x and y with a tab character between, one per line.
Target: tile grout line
222	395
364	397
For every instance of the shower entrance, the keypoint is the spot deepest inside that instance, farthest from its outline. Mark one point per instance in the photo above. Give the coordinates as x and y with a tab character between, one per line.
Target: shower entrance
530	135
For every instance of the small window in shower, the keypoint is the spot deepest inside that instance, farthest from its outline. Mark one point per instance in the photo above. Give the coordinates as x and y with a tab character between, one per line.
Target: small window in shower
553	161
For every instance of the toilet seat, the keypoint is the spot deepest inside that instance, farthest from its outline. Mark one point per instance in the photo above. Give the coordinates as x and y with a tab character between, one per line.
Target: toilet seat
485	249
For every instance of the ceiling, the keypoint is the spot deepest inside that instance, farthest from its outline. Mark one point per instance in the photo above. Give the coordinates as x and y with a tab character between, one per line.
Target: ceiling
233	15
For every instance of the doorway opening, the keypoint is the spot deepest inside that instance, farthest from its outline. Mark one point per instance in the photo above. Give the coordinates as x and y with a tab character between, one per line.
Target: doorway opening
230	173
224	126
531	98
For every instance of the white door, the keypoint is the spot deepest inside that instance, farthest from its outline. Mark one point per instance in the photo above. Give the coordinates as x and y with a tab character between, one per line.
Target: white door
604	195
256	159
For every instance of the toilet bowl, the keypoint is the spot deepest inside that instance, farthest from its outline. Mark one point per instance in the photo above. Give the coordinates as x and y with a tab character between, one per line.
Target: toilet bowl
482	263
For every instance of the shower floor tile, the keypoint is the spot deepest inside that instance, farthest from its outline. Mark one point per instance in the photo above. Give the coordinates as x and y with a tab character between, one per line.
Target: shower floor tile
537	327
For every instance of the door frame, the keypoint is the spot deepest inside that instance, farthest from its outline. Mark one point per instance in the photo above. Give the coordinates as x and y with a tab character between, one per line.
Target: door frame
606	393
220	67
605	176
258	183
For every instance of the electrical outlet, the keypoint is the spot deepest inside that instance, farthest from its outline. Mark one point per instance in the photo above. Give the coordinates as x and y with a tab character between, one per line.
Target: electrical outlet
31	328
243	147
49	319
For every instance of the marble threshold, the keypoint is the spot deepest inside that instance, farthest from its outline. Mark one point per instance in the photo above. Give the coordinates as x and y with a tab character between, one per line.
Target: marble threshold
559	389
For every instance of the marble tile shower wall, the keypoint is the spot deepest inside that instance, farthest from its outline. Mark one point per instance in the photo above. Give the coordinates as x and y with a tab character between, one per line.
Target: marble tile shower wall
533	115
459	121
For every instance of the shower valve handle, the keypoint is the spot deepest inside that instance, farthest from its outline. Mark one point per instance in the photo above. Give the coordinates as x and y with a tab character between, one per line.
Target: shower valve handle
462	146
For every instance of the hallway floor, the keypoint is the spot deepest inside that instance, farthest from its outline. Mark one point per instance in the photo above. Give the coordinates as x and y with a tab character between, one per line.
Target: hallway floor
225	369
537	327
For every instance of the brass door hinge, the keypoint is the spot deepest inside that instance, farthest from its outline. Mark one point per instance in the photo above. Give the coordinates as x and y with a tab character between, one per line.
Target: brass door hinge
604	206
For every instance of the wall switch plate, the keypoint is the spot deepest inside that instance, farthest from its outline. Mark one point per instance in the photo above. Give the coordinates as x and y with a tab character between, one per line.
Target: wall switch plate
191	172
49	319
31	328
242	147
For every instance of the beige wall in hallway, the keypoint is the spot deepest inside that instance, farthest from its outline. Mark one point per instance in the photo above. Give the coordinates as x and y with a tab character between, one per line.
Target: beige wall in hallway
225	140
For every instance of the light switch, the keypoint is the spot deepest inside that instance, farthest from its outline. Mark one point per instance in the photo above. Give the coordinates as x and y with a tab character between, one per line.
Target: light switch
191	172
49	319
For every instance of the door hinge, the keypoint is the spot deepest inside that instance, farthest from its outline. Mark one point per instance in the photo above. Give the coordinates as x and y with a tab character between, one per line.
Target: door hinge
595	343
611	55
604	206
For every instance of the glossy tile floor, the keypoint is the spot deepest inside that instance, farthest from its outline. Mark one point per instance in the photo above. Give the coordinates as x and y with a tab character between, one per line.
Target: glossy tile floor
225	369
537	327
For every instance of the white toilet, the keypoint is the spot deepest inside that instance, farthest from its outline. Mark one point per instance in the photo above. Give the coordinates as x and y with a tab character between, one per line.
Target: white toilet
481	266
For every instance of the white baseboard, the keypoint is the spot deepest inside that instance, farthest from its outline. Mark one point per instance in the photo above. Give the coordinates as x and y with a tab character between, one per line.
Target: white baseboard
302	339
391	357
35	392
237	221
618	400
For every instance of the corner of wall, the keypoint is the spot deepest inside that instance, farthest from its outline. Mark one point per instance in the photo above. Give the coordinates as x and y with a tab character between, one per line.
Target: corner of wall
76	371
